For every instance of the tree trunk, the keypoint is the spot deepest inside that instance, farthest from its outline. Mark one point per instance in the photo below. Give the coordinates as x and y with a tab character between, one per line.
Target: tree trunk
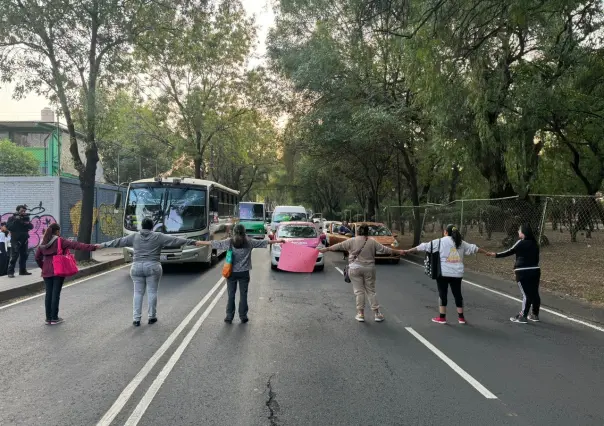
197	166
87	212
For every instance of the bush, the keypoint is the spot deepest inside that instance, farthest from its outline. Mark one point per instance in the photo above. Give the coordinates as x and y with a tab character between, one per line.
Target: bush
16	161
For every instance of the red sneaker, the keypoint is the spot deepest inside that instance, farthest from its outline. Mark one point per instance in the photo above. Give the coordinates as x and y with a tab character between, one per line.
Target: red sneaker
461	320
439	320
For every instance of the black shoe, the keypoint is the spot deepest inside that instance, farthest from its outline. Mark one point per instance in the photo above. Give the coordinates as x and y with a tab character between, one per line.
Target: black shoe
152	320
519	319
47	322
244	319
24	273
228	320
136	323
56	321
11	275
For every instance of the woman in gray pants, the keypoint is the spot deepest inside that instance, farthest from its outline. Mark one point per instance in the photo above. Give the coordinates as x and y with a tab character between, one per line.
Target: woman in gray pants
146	270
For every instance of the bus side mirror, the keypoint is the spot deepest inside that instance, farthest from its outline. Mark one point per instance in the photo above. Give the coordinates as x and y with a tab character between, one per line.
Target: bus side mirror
117	201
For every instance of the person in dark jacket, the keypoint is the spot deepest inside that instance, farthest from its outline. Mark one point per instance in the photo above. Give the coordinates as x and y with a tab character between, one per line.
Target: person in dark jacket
3	249
19	226
528	273
44	258
146	270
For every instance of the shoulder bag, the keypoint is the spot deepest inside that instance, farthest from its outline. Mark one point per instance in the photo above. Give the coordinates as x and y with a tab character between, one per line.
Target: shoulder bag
227	269
432	262
63	263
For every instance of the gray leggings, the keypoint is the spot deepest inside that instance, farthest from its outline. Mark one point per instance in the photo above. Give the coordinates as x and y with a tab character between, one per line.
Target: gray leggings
145	276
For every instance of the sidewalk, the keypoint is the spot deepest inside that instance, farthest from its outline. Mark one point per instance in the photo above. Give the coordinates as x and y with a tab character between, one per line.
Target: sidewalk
568	306
20	286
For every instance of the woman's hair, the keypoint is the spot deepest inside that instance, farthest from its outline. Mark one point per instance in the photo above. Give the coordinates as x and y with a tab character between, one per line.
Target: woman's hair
363	230
527	230
147	224
239	238
454	233
50	232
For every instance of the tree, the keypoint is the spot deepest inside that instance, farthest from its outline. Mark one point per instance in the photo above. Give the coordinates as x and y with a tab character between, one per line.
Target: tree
199	71
65	51
16	161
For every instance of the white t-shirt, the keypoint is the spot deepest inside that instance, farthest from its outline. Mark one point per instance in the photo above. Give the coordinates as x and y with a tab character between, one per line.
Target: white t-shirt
451	257
4	239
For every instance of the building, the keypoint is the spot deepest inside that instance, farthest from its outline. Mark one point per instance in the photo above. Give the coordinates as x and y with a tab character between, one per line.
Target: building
48	141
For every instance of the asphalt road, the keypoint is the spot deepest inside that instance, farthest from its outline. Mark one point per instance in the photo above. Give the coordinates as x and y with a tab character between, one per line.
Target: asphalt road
301	360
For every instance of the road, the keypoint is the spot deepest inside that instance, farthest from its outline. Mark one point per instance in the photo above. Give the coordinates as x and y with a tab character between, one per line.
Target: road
301	360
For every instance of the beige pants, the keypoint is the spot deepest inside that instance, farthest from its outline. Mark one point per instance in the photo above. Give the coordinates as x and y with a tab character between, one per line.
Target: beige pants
363	283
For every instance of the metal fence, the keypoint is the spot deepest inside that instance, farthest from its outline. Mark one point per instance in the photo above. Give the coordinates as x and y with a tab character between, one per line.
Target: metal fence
570	230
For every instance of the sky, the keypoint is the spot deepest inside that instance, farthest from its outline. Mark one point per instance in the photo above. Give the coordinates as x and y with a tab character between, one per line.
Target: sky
30	107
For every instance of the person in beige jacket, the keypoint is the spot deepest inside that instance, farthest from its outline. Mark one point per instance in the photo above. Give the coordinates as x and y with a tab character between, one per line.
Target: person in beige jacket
362	251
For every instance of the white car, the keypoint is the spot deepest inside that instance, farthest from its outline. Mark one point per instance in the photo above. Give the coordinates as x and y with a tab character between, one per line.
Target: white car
303	233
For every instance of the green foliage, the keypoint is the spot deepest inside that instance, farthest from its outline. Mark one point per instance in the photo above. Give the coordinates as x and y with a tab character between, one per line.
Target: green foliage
16	161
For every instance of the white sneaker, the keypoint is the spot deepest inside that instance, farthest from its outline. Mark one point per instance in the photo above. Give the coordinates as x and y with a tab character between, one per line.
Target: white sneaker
360	317
379	317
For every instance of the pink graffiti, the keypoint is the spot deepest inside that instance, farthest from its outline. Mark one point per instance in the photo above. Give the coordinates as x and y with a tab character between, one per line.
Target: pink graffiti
40	224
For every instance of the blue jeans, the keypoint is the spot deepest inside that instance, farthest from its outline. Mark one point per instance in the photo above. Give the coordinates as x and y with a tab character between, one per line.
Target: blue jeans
54	285
243	278
145	276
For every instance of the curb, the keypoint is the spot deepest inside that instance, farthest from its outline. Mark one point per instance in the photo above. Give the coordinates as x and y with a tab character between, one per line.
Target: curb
35	287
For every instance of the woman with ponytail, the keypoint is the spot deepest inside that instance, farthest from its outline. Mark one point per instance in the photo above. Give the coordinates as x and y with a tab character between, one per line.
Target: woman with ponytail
452	250
242	247
44	255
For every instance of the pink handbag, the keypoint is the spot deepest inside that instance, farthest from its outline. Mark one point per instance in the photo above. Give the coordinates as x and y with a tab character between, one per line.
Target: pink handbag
64	263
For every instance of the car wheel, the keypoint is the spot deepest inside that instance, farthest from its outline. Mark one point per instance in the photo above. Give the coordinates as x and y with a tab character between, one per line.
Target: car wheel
274	267
319	268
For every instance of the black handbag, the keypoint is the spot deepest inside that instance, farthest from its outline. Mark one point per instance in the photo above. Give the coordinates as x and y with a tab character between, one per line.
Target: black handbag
347	267
432	262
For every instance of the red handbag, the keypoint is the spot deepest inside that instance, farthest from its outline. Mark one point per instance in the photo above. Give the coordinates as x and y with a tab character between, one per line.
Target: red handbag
63	263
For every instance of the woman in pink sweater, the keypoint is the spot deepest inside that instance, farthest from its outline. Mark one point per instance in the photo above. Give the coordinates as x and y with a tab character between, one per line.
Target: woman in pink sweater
44	254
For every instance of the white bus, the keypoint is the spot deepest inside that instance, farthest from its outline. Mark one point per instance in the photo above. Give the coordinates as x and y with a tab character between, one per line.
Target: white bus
185	207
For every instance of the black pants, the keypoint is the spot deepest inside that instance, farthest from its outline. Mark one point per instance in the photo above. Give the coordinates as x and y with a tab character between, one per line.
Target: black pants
528	281
3	263
18	251
53	296
243	278
443	284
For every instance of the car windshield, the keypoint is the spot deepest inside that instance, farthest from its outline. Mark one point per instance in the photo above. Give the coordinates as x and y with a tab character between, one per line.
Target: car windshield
251	212
288	217
297	231
379	231
172	209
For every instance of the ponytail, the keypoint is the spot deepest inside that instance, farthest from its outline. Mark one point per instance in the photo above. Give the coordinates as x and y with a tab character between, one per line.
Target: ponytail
454	233
49	233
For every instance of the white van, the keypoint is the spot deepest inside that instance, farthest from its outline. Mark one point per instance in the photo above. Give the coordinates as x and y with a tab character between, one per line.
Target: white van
288	214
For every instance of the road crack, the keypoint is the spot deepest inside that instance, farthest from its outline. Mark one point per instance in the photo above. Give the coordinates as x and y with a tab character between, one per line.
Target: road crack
271	403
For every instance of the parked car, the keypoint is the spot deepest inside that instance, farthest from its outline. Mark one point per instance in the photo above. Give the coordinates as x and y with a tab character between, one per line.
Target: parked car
303	233
377	231
329	228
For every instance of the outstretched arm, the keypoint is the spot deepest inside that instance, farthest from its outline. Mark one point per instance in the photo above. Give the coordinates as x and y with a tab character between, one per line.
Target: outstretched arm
119	242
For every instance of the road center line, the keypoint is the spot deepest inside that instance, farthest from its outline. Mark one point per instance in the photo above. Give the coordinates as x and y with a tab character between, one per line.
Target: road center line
69	284
471	380
144	403
140	376
549	311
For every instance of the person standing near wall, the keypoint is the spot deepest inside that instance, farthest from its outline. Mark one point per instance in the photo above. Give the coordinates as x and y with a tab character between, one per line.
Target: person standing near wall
4	250
19	226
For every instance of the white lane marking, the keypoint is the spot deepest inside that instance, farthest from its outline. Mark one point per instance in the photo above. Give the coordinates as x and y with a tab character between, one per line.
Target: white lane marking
549	311
140	376
339	270
471	380
144	403
66	285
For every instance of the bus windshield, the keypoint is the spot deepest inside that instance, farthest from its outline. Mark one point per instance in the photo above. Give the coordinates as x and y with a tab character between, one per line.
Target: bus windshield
173	209
251	212
289	217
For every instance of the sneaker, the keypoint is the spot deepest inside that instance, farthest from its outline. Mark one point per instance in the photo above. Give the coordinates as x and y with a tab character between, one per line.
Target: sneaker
519	319
533	317
439	320
24	273
228	320
360	317
461	320
48	322
244	319
379	317
11	275
136	323
152	320
56	321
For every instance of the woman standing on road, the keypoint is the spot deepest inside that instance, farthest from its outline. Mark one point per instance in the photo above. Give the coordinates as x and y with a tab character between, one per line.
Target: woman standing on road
4	239
452	250
362	251
146	270
242	247
528	272
44	258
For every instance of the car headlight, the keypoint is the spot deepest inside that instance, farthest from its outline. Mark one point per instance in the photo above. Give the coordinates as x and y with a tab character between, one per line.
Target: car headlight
395	243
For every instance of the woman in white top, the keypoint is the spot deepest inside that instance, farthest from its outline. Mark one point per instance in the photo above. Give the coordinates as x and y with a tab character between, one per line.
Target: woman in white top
452	250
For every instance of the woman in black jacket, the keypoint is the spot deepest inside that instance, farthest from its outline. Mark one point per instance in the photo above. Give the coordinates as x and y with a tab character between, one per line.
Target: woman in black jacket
528	273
